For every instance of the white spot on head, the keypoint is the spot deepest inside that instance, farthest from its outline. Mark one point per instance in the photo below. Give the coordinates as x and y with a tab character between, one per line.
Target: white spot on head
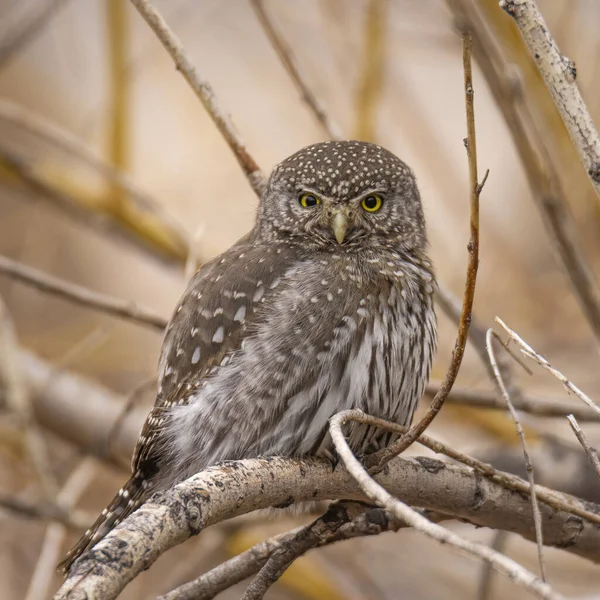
219	335
240	314
258	294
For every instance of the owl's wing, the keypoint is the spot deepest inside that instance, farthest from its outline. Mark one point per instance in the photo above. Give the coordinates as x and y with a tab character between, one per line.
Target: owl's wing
207	327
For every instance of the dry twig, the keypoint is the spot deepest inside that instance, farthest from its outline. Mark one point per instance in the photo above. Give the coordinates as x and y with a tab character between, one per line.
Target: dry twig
78	294
529	352
290	64
204	91
380	458
540	170
537	519
559	73
589	450
411	517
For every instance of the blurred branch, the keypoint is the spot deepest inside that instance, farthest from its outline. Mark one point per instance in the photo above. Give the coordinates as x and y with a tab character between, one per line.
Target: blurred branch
17	399
379	459
45	511
585	444
290	64
118	110
45	568
538	406
376	492
83	296
57	404
143	229
204	92
147	218
540	171
15	36
559	73
371	73
221	492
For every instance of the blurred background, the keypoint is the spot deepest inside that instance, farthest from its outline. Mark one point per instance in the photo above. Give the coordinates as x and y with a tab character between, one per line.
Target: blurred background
87	93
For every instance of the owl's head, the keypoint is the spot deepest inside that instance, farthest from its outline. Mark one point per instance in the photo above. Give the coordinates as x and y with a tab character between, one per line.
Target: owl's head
343	195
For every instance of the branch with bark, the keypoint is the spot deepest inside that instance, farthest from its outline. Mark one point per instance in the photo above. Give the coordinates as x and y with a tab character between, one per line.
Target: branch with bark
234	488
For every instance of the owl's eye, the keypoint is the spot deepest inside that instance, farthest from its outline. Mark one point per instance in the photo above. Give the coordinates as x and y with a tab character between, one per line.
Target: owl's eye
309	200
372	203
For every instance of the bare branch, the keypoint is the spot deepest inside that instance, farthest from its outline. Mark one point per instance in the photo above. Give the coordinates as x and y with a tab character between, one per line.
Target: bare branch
378	494
559	73
377	460
529	352
83	296
537	519
540	170
204	91
293	69
233	488
150	219
371	521
589	450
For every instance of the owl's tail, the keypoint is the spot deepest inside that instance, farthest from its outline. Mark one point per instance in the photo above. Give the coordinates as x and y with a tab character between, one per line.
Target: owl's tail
129	497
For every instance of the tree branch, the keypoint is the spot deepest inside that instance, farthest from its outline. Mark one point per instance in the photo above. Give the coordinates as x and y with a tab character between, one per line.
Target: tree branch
559	73
233	488
81	295
204	91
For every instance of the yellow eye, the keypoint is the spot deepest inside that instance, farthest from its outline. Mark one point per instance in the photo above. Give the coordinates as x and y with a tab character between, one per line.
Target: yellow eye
309	200
372	203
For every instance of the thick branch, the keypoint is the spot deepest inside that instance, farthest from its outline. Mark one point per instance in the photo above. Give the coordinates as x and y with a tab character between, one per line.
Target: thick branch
234	488
559	73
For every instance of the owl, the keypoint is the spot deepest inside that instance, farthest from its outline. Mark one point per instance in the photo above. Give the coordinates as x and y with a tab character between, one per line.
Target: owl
326	305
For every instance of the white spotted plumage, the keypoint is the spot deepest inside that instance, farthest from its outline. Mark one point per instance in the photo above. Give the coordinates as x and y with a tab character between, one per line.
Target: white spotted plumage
290	326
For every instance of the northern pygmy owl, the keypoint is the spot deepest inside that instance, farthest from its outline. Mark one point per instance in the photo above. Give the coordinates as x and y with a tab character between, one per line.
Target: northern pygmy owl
326	305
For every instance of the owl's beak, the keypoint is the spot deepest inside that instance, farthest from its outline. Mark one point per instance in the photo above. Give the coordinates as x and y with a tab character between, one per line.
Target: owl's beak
339	225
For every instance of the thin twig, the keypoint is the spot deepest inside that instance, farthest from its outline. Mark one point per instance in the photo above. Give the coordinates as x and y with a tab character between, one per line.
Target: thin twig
310	536
559	73
553	499
383	456
371	521
290	64
204	92
378	494
589	449
529	352
540	169
537	518
78	294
